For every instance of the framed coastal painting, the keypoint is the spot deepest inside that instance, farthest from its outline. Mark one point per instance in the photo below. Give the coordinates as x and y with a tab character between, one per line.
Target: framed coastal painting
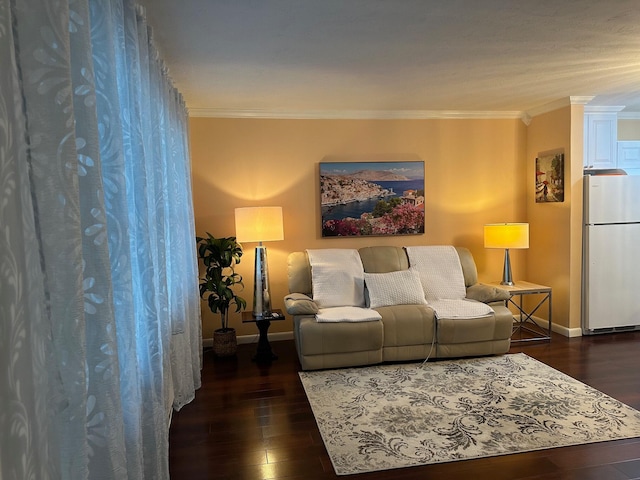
372	198
550	177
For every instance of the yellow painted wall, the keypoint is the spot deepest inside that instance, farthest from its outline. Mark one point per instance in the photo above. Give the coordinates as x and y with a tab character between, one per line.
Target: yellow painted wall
554	256
477	172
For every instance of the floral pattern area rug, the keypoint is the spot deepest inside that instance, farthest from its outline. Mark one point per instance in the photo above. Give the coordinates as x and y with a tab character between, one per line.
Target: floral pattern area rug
393	416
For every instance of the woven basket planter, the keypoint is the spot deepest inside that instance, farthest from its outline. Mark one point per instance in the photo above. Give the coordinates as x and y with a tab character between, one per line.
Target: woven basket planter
225	343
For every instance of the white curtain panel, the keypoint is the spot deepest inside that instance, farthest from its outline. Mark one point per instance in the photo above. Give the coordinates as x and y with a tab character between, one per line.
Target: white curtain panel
99	309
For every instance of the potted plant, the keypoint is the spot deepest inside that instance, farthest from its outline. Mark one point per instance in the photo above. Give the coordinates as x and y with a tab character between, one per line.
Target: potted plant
220	256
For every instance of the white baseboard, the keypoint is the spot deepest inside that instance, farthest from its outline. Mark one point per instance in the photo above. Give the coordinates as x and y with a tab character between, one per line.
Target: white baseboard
562	330
243	339
567	332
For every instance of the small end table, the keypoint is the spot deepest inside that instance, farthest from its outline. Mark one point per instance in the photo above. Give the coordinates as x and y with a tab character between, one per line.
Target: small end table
264	353
524	322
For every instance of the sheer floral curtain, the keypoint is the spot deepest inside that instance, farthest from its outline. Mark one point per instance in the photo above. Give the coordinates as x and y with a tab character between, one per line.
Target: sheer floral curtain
99	308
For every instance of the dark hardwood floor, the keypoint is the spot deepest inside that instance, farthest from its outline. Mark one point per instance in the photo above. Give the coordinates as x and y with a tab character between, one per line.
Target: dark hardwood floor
252	421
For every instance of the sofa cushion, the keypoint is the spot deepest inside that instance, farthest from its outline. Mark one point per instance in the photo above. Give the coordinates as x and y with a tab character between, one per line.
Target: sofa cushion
473	330
315	338
383	259
299	273
468	266
460	308
394	288
407	325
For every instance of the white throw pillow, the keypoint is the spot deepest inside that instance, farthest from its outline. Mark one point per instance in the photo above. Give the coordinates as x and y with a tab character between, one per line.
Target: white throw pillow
401	287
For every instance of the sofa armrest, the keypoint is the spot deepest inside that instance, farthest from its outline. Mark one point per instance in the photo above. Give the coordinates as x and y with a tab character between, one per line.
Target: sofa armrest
487	294
300	304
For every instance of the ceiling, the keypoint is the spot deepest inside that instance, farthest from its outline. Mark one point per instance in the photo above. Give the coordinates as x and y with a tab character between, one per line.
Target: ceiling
397	57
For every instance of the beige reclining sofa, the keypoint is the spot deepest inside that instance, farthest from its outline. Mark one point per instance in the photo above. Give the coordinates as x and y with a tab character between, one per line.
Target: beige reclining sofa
405	332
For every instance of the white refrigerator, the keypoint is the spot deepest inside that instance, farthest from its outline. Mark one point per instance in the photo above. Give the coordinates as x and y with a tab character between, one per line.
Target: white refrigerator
611	254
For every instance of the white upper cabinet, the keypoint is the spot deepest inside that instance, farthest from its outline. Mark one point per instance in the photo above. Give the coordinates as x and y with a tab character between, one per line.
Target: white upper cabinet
601	137
629	156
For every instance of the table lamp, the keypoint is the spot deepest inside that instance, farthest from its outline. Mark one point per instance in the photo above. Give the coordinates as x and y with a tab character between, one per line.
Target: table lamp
507	236
260	224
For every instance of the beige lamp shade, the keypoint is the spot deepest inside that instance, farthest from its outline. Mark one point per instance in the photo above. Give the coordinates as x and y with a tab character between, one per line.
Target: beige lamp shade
259	224
506	235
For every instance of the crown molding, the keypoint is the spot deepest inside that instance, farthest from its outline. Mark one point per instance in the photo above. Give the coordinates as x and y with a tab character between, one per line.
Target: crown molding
603	109
353	114
557	104
580	100
629	116
525	116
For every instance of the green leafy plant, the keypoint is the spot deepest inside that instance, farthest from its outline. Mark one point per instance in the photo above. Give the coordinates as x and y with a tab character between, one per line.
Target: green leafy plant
220	256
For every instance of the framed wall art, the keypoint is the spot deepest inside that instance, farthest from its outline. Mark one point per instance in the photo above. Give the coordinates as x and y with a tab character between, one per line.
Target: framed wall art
550	177
372	198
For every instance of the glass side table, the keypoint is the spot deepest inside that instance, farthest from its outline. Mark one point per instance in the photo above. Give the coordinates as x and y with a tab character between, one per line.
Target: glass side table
264	354
526	328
